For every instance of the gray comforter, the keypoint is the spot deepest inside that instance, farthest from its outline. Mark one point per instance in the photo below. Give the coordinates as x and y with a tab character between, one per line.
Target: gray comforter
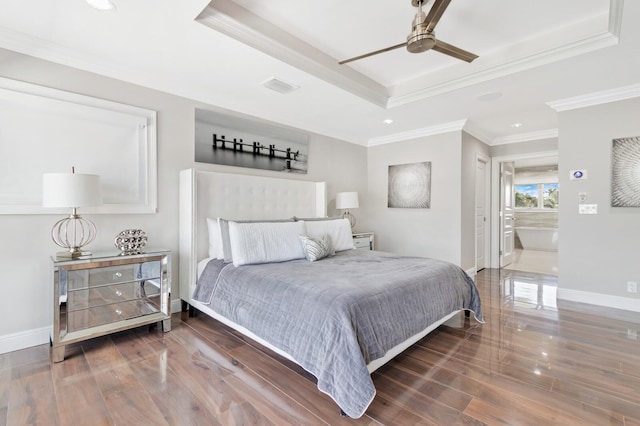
336	315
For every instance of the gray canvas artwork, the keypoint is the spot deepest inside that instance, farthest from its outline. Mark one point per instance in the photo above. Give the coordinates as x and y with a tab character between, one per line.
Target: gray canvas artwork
235	141
625	182
410	185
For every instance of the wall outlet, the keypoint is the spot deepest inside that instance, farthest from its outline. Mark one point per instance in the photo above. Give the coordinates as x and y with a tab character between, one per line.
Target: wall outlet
632	286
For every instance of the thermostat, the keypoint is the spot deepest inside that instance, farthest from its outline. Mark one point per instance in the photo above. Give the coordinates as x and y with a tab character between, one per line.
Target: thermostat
577	174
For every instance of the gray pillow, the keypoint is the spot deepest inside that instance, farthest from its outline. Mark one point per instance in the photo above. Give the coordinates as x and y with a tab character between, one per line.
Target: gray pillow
317	248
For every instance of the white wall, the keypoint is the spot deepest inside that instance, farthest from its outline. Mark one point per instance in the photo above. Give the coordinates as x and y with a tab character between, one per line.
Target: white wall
522	148
26	303
597	254
433	232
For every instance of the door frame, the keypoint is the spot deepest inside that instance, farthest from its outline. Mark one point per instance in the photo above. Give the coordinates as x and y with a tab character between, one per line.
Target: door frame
487	209
495	197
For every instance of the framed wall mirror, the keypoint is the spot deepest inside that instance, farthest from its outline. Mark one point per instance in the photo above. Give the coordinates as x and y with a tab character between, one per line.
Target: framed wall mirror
44	130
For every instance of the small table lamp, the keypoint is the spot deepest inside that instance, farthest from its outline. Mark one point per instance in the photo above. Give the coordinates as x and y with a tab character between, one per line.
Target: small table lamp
346	201
72	190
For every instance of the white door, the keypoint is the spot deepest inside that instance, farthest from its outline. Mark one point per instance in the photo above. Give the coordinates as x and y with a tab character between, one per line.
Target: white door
506	214
481	213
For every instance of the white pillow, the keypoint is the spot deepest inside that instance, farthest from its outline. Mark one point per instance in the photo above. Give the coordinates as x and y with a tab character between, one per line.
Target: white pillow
265	242
338	229
317	248
215	239
227	253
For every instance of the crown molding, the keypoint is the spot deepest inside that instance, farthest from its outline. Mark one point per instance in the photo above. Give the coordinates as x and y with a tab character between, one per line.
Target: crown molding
596	98
477	133
417	133
526	137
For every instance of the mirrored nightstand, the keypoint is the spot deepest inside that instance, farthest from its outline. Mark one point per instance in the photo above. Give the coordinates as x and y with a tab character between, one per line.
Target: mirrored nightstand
110	292
363	240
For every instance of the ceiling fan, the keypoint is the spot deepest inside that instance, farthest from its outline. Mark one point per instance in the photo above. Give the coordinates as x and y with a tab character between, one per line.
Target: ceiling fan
422	37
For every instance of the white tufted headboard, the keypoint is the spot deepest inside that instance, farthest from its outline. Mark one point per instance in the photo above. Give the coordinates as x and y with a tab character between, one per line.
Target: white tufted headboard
237	197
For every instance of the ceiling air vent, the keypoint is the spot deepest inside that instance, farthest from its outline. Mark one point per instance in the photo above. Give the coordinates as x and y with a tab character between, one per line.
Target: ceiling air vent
279	85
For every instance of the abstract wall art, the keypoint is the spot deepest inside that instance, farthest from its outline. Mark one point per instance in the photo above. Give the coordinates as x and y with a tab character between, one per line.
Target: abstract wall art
625	182
410	185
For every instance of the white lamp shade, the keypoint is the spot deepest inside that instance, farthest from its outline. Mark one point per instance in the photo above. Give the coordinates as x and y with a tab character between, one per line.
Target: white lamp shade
347	200
71	190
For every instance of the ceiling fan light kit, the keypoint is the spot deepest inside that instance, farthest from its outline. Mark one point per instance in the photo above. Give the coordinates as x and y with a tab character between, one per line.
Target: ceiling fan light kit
422	36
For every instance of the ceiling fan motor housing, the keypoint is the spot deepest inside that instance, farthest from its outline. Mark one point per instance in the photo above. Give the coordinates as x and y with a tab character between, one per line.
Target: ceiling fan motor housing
420	40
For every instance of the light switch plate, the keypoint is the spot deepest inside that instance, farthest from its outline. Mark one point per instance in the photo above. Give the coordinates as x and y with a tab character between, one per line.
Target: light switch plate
587	209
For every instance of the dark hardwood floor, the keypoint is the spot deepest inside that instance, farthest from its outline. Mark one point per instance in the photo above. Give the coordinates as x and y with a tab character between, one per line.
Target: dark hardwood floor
531	363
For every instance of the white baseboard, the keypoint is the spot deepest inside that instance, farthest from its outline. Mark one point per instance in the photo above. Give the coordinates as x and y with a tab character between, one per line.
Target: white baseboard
176	306
24	339
608	301
39	336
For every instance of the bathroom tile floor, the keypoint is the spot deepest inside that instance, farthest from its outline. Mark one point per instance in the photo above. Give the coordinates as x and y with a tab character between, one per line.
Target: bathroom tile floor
541	262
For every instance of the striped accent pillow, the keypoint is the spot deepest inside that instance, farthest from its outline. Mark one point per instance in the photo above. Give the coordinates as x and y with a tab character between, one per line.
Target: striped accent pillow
317	248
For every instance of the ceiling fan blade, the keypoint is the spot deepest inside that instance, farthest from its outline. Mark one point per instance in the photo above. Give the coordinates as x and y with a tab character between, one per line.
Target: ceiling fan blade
366	55
451	50
435	13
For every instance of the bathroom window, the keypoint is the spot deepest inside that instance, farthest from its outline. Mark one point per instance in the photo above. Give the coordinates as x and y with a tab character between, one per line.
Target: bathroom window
537	196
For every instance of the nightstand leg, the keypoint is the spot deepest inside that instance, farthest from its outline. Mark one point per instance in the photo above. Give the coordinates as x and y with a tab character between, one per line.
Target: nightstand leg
166	325
57	353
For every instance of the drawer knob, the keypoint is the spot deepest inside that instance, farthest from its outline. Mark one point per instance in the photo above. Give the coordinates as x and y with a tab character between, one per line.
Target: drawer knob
118	293
118	311
117	275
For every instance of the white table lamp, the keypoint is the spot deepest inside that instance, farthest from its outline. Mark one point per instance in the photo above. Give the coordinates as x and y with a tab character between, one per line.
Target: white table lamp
72	190
346	201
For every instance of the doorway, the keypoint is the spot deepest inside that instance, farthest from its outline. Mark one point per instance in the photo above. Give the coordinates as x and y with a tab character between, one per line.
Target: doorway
525	212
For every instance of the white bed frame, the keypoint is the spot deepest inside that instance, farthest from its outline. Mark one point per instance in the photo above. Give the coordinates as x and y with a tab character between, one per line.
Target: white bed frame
206	194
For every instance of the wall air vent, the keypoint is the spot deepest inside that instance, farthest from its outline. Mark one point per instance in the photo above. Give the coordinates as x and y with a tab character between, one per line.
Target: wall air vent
279	85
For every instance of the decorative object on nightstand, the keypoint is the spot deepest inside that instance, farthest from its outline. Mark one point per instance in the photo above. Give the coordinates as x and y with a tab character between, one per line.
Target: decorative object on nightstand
363	240
72	190
130	241
346	201
106	293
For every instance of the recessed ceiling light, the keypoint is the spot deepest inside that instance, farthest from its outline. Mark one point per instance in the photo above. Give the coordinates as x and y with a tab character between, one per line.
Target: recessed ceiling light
103	5
491	96
388	121
516	125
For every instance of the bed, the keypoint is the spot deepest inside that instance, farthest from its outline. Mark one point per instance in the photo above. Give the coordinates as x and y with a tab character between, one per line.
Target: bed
340	317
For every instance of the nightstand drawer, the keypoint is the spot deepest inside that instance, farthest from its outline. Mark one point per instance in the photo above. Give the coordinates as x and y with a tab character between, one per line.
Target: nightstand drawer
362	242
78	279
107	314
95	296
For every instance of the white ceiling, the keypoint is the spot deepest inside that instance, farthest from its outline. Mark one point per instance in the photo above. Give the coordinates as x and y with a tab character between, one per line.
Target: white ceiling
531	52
